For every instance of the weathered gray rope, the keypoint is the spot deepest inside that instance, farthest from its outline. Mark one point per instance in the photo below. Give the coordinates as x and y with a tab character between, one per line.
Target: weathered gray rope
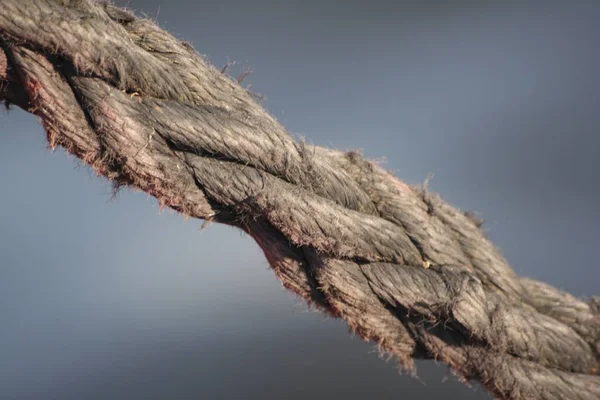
398	264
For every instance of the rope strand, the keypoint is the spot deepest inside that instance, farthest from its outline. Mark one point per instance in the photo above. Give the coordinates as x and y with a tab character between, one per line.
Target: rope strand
398	264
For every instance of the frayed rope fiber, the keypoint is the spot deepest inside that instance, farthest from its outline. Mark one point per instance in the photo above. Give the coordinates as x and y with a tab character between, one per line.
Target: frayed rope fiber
398	264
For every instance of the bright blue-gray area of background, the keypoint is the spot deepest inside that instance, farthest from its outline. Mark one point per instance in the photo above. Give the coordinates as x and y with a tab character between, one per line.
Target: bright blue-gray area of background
112	299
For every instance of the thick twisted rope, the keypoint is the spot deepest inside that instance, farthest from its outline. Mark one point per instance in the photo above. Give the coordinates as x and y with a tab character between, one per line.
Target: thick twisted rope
398	264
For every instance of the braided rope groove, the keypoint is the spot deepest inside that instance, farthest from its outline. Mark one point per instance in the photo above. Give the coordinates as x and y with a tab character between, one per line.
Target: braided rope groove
401	266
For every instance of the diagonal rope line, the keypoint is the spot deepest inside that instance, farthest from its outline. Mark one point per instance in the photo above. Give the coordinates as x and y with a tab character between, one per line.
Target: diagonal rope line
397	263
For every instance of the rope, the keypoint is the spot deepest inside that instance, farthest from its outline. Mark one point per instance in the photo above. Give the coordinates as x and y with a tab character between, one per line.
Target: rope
398	264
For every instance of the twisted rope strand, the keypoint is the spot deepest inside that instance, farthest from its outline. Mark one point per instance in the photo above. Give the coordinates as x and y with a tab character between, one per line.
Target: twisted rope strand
397	263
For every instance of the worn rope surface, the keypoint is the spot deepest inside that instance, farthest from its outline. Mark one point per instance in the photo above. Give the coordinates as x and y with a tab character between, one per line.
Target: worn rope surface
398	264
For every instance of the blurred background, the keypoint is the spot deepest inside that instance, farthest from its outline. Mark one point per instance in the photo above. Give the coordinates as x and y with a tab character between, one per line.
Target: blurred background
106	298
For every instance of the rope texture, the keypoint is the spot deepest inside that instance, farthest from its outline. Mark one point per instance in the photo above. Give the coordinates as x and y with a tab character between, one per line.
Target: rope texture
397	263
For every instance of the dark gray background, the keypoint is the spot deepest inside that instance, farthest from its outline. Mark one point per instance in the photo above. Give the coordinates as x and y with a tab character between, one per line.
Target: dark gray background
105	299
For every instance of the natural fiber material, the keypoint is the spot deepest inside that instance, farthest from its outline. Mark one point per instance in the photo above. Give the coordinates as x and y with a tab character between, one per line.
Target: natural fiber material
397	263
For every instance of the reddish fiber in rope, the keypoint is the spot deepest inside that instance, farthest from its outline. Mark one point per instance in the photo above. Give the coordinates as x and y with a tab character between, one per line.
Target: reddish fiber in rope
398	264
